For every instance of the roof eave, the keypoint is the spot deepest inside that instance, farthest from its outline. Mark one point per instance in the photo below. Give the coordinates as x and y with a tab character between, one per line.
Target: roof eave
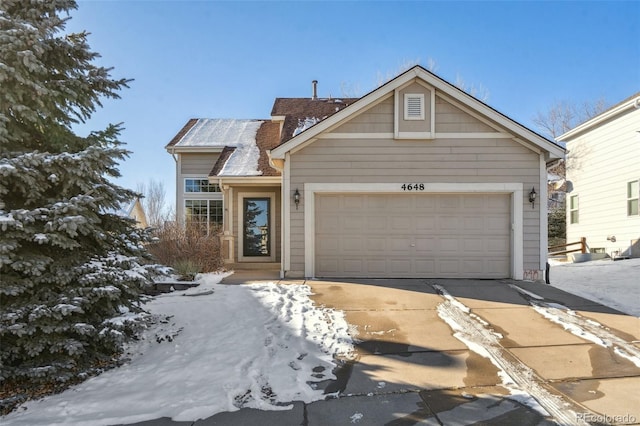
192	149
258	179
634	102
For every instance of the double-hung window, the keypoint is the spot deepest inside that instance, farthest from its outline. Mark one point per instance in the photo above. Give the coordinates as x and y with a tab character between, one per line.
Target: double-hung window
573	209
633	195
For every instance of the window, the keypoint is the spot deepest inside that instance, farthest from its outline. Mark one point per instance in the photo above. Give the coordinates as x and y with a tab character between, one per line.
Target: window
257	232
207	213
633	194
573	209
414	106
200	185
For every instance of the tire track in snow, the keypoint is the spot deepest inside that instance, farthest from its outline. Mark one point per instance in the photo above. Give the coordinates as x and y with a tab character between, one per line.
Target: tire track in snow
524	384
580	326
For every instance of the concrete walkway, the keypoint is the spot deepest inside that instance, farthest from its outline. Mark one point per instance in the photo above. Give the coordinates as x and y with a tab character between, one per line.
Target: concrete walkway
410	369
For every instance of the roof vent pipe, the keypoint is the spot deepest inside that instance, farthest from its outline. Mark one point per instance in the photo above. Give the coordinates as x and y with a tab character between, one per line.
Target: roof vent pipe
314	84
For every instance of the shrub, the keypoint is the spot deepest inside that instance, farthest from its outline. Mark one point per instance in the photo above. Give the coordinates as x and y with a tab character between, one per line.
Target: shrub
557	226
186	268
187	248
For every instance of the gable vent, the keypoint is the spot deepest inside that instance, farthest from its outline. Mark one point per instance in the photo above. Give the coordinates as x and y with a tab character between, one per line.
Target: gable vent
414	106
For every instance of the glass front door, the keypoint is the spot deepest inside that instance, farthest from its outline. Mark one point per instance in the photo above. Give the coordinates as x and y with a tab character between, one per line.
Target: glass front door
257	232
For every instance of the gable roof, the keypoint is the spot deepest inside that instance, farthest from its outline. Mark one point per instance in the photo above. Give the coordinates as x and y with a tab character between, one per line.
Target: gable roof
298	113
216	133
242	144
632	101
230	164
519	131
182	132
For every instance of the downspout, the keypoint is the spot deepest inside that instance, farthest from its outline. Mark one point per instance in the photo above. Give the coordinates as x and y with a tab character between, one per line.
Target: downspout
544	219
283	243
175	159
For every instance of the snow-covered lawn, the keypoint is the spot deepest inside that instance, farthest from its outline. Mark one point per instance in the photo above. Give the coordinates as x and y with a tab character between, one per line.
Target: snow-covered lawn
222	348
613	283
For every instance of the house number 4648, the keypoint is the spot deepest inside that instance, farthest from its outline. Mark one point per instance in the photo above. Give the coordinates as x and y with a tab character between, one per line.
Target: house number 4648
412	187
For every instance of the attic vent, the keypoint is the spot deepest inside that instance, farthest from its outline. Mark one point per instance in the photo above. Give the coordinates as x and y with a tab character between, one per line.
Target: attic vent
414	106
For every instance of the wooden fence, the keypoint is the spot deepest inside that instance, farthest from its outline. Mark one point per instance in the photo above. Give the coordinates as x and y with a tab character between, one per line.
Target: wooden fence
554	250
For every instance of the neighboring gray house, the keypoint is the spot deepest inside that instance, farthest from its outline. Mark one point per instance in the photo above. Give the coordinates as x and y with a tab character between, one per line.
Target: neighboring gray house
604	170
415	179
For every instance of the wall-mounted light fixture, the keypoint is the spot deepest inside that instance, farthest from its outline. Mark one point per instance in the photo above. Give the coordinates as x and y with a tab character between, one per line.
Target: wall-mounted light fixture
296	198
532	197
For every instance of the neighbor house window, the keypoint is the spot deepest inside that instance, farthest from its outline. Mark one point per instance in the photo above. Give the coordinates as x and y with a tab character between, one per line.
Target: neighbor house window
414	106
573	209
633	194
207	213
200	185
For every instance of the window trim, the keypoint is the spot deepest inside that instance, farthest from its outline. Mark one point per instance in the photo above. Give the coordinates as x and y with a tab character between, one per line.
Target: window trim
420	97
219	225
240	218
573	209
633	197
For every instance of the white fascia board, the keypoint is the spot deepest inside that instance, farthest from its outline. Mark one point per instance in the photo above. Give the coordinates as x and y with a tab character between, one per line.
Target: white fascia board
253	180
516	128
632	103
194	149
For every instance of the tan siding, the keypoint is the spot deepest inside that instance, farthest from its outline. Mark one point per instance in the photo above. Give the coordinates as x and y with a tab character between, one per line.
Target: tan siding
433	161
198	164
601	163
451	119
377	119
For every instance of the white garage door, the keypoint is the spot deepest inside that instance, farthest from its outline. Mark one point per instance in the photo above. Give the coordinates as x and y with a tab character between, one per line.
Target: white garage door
413	235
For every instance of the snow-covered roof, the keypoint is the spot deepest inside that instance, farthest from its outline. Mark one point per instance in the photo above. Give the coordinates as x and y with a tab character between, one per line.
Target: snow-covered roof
214	132
240	135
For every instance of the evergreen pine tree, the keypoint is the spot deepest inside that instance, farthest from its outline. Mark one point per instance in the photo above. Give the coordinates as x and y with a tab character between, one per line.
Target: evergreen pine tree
67	265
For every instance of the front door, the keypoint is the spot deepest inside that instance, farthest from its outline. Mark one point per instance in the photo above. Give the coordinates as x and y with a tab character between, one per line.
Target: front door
257	227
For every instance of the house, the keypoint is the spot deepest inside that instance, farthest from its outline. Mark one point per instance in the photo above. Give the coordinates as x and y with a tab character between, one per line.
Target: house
604	172
415	179
133	210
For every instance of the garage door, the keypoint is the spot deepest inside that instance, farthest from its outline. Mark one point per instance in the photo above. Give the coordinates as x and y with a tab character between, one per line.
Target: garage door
412	235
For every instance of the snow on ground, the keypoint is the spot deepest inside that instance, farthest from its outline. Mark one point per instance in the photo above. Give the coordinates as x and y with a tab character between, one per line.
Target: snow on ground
613	283
222	348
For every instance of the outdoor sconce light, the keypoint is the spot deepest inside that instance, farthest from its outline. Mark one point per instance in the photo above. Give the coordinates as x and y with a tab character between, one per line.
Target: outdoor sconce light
296	198
532	197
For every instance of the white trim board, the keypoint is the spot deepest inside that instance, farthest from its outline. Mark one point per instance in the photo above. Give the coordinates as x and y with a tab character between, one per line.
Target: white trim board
475	135
517	220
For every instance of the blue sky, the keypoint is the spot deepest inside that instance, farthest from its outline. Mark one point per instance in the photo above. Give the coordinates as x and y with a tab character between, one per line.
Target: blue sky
231	59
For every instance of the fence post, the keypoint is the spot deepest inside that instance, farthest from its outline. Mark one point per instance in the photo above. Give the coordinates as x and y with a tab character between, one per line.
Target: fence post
583	244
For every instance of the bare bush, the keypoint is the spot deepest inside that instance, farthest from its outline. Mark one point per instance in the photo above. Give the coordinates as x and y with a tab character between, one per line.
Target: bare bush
178	244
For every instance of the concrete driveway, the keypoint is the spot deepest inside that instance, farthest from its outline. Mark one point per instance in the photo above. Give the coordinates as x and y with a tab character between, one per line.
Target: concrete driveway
408	350
467	352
